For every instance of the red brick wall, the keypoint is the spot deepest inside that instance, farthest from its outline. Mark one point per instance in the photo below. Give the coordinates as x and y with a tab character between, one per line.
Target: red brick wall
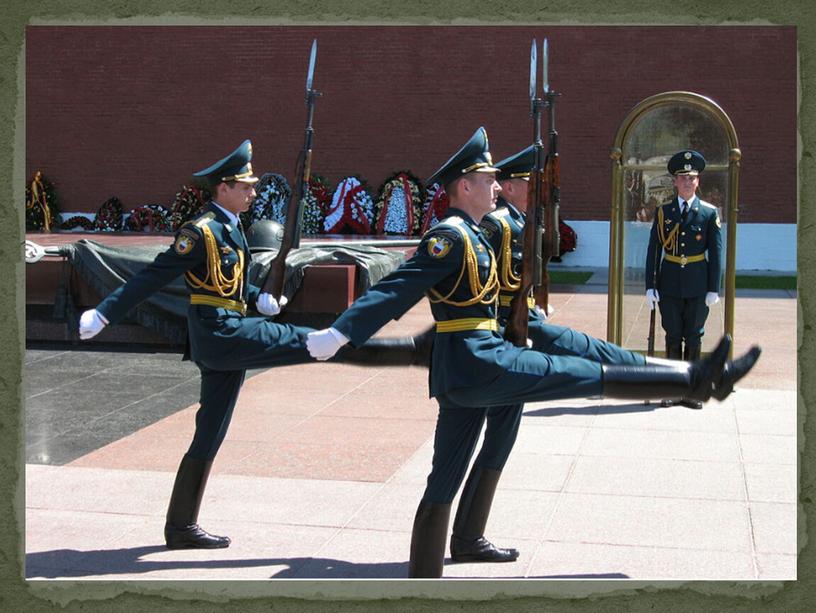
132	111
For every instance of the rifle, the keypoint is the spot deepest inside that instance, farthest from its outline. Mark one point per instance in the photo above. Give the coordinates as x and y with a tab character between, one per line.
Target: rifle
650	340
542	210
551	204
294	209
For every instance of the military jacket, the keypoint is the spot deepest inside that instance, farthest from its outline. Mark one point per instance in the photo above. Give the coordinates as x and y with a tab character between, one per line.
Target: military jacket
214	258
454	266
684	257
504	228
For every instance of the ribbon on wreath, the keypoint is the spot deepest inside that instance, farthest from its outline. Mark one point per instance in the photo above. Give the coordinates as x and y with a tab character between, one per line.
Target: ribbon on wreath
351	209
436	203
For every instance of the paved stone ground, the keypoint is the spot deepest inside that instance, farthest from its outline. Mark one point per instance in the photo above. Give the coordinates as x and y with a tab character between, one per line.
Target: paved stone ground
324	465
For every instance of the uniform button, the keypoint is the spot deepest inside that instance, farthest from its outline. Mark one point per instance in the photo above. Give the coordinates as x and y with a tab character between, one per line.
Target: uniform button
682	234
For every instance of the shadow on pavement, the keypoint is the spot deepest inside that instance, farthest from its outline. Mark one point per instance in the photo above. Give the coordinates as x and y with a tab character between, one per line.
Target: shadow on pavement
70	563
639	407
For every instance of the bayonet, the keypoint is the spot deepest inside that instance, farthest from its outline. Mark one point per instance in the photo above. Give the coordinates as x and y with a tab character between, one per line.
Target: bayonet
310	74
533	63
545	58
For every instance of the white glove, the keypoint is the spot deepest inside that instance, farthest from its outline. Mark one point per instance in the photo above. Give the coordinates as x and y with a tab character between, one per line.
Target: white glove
323	344
529	343
90	324
652	298
267	305
540	312
712	298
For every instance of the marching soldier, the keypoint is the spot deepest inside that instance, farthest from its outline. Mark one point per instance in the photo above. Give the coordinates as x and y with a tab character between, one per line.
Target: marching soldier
683	261
504	229
211	252
472	366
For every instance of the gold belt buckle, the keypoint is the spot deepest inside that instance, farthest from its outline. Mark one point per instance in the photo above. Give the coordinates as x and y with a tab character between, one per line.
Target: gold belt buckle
683	260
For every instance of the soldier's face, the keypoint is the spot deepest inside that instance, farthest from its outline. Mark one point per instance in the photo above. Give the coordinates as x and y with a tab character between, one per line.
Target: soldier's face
686	185
515	192
485	191
236	197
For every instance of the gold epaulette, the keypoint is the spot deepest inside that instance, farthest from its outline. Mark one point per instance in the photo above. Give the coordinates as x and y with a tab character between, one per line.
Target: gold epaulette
482	294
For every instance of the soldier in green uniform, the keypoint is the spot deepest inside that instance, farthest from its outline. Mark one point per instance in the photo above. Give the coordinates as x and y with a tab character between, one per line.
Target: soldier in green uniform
472	366
211	252
683	261
504	229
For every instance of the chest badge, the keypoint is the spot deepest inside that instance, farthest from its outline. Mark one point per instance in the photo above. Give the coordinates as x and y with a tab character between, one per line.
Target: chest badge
438	247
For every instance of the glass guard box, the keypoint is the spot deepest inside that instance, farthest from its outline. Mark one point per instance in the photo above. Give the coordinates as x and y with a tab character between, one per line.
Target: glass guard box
653	131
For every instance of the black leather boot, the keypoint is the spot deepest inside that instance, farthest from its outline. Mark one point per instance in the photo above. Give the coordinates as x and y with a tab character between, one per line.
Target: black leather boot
468	543
181	531
734	371
672	380
690	354
700	380
428	540
405	351
674	351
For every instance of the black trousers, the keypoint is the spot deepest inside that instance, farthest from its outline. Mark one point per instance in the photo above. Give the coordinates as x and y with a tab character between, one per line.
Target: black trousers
683	319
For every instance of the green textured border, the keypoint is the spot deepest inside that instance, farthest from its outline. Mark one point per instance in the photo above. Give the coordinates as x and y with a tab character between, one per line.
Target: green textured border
18	595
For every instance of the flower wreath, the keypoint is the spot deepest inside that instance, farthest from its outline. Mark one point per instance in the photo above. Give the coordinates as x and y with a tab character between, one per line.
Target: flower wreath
273	194
314	204
398	209
436	203
150	218
109	216
41	205
352	208
189	201
78	221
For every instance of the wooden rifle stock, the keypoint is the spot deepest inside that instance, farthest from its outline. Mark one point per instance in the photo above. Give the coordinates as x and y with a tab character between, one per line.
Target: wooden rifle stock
552	201
550	243
516	329
291	230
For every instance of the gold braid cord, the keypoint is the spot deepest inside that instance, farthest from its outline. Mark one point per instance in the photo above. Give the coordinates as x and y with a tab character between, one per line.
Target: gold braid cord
670	241
509	281
216	281
38	199
482	294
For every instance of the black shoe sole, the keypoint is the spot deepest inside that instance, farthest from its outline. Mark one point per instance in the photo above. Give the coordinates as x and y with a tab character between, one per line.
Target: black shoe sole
477	558
193	545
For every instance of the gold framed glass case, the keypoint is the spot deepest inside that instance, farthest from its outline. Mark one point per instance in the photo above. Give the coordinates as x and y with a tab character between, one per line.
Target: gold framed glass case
653	131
